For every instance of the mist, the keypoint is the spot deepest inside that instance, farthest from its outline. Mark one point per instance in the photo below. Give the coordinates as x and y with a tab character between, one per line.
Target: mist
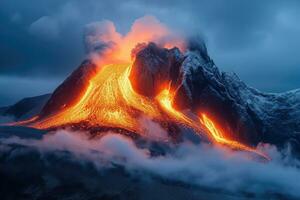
199	165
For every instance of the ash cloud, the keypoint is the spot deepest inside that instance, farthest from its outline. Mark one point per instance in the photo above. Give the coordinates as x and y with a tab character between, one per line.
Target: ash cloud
196	165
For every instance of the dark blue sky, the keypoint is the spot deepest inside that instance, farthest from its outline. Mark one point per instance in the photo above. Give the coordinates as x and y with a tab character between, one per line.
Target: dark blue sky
41	42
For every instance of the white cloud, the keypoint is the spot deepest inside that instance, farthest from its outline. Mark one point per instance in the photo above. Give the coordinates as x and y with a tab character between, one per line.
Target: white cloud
201	165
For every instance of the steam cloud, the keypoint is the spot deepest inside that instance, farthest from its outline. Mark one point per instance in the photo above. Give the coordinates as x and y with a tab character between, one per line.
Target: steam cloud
103	38
200	165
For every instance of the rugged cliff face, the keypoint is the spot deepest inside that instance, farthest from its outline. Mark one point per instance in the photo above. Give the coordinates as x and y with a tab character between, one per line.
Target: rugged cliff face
154	68
245	113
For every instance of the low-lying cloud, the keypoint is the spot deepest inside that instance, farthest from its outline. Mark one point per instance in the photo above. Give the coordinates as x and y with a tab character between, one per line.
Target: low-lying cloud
201	165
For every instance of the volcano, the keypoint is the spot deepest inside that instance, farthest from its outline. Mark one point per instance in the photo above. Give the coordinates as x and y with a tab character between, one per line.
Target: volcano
164	85
176	88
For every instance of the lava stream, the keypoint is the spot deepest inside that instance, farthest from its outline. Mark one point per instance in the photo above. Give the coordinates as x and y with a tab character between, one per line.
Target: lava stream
165	99
219	137
109	100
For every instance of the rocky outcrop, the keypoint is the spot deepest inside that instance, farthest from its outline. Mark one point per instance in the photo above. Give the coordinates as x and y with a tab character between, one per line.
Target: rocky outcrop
243	112
70	91
155	68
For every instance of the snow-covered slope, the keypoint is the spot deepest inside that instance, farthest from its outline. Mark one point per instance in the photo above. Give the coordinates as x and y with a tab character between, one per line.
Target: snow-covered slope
276	117
244	112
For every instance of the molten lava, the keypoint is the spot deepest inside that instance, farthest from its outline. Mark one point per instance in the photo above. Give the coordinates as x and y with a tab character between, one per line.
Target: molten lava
165	99
109	100
218	136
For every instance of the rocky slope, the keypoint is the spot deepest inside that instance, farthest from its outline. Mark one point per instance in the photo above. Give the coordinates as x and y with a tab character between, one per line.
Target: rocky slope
71	89
245	113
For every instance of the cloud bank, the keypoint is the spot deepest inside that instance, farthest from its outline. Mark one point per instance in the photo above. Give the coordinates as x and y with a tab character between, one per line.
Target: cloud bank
197	165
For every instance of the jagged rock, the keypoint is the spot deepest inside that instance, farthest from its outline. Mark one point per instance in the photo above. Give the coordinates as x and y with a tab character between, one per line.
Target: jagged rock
154	68
243	112
275	117
202	90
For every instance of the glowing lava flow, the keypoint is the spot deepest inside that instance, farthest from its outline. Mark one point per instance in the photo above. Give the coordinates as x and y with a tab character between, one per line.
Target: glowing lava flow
109	100
165	99
218	136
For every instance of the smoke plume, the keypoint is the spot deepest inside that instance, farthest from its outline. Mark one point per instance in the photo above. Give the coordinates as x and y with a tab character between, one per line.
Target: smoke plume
102	38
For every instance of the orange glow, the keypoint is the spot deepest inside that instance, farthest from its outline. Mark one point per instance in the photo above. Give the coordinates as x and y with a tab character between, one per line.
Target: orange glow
219	137
109	100
22	123
165	99
143	30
